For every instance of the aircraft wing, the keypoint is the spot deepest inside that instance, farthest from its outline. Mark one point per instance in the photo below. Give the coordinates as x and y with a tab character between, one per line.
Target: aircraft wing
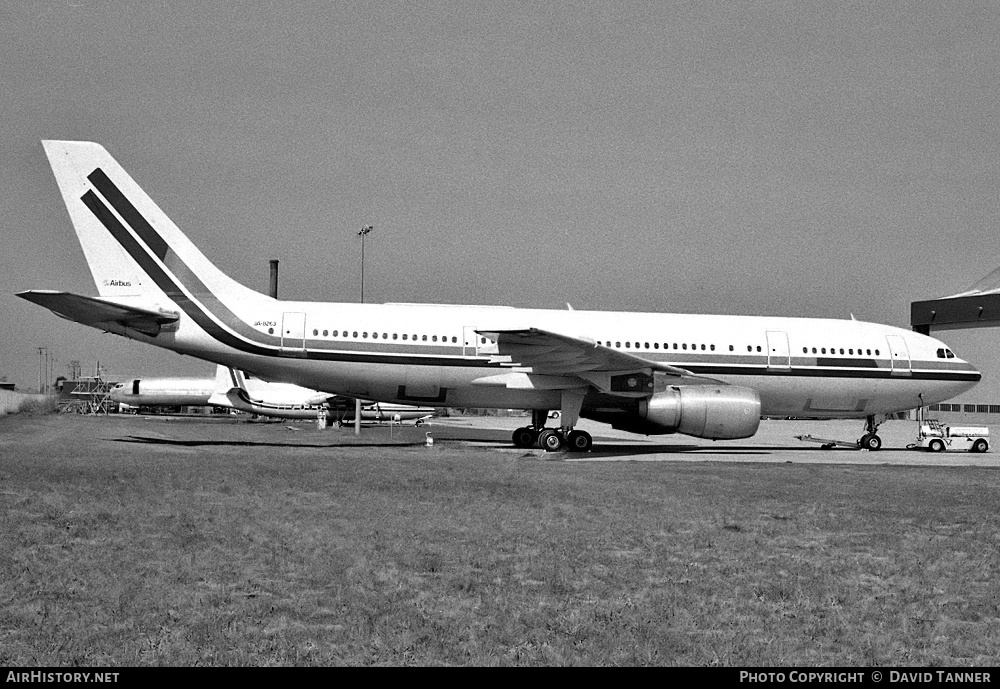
552	354
98	313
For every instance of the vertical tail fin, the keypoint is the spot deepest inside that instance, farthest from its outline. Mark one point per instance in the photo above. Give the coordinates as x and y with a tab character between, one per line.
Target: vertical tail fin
227	379
132	247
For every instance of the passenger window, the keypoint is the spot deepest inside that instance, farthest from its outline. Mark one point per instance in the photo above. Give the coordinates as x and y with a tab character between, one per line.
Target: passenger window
404	336
424	338
618	344
434	338
758	348
315	333
355	333
684	346
656	345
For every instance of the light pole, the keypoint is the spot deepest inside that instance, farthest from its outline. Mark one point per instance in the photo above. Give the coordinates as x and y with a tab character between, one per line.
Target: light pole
364	230
40	350
357	402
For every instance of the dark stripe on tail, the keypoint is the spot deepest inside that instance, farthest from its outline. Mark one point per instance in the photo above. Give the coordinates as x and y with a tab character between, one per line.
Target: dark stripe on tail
132	216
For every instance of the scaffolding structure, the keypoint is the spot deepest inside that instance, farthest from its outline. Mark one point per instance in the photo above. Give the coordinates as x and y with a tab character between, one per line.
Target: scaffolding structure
87	396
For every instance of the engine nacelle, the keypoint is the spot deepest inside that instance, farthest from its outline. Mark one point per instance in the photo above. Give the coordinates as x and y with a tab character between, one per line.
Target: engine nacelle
719	412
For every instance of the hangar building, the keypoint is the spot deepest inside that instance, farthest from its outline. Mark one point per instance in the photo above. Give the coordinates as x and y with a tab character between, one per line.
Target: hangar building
966	322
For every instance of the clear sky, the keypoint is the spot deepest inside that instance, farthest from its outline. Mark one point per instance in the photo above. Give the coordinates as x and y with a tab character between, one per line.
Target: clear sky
765	158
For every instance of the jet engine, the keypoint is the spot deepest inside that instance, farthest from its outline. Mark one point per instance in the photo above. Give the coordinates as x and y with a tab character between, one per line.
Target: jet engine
719	412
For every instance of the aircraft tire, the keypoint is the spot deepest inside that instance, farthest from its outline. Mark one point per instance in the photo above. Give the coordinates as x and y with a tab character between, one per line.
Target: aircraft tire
550	441
524	437
871	442
579	441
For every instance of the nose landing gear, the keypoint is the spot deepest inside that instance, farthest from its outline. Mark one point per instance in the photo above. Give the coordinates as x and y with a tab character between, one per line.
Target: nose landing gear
870	440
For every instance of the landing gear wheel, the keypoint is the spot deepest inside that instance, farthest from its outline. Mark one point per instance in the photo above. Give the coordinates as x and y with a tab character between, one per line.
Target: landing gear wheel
524	437
579	441
936	446
871	442
550	441
980	446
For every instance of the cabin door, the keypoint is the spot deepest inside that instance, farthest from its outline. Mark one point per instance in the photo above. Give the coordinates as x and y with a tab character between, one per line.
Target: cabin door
476	344
293	332
778	356
900	355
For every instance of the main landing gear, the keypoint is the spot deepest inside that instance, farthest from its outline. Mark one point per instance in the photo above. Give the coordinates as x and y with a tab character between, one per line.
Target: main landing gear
552	439
870	441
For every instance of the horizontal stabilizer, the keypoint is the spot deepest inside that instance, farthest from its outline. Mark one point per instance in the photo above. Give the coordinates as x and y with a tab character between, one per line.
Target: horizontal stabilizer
99	313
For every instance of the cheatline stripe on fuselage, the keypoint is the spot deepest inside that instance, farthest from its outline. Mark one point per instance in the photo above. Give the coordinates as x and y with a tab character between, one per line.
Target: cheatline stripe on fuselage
251	341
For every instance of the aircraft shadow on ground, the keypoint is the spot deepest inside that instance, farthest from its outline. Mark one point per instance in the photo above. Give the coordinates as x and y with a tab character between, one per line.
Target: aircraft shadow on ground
619	450
139	440
600	449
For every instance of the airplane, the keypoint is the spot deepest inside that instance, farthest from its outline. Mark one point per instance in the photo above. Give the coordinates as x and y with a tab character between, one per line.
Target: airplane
229	388
233	390
707	376
290	401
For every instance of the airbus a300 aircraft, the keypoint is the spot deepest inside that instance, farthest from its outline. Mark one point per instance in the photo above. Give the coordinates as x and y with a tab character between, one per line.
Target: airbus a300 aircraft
702	375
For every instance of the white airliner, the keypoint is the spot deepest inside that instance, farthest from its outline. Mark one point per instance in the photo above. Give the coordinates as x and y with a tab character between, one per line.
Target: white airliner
233	390
228	389
708	376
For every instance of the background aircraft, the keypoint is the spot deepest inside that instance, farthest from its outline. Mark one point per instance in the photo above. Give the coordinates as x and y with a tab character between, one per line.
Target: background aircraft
232	389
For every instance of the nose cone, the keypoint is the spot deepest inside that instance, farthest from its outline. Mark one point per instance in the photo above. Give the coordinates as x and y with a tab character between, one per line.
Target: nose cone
120	392
961	376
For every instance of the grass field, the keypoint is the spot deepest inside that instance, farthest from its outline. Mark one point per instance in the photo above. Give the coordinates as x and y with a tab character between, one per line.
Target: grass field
240	544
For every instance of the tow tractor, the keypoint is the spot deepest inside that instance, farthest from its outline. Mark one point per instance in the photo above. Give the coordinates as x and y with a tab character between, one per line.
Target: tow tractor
934	436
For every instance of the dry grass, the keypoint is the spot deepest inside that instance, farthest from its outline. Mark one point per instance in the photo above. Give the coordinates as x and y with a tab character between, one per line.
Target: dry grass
20	402
245	545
